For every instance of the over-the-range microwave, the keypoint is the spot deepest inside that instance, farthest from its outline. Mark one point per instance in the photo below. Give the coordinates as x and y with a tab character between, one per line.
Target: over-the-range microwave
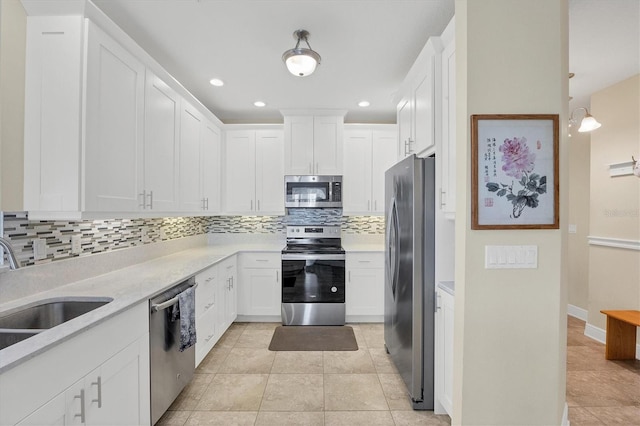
313	191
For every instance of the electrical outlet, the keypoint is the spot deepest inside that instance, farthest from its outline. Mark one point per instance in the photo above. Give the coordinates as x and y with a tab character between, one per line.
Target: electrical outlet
146	238
76	244
39	249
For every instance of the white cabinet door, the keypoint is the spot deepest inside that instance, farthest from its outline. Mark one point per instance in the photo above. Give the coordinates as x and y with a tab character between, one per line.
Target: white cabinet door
114	125
424	115
327	145
357	171
53	413
240	177
444	349
448	194
405	129
383	146
259	284
298	145
112	392
211	177
228	269
364	293
161	145
189	182
52	114
207	307
269	177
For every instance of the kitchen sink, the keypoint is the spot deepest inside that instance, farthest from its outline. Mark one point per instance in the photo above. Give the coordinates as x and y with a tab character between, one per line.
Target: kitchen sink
11	337
47	314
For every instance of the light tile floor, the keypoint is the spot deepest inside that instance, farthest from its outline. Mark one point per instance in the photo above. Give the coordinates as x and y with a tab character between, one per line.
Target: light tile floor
599	392
241	382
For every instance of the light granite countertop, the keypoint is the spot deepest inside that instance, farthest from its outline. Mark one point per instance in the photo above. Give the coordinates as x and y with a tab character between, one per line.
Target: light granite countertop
127	286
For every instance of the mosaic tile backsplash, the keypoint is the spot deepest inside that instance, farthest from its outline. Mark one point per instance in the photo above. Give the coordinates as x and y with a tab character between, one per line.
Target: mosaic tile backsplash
97	236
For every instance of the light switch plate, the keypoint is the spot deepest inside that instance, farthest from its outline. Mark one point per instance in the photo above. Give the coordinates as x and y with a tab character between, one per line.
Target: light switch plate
39	249
511	257
573	228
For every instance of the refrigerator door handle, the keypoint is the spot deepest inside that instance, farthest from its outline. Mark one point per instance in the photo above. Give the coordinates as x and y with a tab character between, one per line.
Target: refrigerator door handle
393	235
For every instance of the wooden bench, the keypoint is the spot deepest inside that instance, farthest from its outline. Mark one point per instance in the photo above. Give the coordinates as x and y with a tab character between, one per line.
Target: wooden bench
621	334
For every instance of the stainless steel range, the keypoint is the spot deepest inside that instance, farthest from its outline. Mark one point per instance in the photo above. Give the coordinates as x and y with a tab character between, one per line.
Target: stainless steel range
313	285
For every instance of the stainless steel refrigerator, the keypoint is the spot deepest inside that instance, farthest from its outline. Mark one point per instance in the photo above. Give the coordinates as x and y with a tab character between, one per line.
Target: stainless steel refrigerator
410	274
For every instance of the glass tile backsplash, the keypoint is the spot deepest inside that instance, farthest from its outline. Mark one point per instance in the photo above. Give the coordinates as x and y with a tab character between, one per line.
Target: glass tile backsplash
97	236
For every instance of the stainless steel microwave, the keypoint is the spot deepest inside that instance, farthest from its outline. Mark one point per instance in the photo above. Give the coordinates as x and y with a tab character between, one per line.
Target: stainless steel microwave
313	191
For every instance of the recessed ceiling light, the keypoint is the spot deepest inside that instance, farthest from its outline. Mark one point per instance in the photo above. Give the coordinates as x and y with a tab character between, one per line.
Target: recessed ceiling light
216	82
363	104
259	104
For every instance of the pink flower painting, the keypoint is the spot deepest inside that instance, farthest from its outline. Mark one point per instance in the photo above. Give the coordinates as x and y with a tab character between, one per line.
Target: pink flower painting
518	162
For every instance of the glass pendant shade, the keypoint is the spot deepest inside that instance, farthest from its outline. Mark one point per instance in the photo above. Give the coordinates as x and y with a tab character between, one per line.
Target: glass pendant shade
588	124
301	61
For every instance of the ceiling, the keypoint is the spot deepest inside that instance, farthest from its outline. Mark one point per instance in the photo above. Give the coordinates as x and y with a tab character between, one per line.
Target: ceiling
367	48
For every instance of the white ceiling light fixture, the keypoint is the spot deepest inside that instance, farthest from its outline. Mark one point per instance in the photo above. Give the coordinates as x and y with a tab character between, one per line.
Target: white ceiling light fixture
364	104
301	61
216	82
588	123
259	104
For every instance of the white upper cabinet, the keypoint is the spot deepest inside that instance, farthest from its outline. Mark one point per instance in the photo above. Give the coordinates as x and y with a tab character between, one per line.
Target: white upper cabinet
129	141
417	104
114	125
210	155
368	152
313	144
161	145
254	176
52	114
191	124
448	139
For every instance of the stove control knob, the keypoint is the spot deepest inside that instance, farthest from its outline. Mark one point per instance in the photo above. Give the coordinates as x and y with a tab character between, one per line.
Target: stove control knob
334	289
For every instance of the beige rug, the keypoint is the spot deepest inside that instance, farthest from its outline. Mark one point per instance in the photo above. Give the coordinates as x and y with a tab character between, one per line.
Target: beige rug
313	338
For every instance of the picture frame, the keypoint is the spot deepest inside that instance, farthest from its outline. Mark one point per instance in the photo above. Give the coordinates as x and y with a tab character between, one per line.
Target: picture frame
514	171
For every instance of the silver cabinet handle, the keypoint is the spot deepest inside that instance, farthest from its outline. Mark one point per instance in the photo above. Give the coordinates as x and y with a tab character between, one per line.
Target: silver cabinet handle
251	205
258	205
349	276
209	337
231	282
82	413
438	302
98	383
207	203
375	205
368	205
203	203
143	195
442	198
151	200
277	276
208	306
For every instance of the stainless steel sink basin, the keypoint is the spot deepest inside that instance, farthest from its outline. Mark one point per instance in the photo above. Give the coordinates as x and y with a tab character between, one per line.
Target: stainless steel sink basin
11	337
49	313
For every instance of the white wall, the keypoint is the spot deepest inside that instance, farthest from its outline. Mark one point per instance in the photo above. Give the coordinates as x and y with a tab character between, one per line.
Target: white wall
510	325
13	30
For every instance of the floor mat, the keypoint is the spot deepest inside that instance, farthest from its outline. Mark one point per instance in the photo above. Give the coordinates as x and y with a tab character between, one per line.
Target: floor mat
313	338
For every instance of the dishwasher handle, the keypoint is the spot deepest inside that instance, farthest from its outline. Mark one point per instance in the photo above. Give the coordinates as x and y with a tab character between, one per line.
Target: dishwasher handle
164	305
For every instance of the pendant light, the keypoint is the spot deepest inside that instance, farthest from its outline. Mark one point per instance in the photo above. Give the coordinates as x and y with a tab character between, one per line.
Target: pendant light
588	123
301	61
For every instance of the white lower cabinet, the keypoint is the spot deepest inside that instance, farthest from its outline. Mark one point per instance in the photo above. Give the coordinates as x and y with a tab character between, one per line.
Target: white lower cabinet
207	306
259	289
227	293
99	377
444	350
365	286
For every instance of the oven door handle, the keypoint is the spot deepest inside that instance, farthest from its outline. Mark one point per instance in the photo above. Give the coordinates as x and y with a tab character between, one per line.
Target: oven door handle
302	256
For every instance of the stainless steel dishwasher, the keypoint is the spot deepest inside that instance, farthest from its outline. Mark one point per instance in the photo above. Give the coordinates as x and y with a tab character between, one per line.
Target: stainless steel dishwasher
171	370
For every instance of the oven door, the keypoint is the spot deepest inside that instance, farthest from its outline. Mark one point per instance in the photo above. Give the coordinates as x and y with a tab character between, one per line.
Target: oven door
313	278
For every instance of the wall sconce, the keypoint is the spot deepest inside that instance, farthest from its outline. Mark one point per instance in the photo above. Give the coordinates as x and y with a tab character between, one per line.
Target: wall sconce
588	122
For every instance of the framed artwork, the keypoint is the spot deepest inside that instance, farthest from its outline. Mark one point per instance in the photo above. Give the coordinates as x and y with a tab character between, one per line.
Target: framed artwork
514	171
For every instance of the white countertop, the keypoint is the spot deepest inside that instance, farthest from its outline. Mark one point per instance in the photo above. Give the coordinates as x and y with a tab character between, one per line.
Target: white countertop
127	286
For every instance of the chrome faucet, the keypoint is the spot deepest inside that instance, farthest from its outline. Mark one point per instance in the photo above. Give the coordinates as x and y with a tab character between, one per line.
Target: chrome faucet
13	262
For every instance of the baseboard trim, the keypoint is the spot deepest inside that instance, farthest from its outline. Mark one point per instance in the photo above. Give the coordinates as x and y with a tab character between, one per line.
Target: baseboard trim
565	415
576	312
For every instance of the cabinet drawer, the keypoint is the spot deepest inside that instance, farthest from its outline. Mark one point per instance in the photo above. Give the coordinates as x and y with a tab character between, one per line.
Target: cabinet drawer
365	260
205	292
261	260
207	334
